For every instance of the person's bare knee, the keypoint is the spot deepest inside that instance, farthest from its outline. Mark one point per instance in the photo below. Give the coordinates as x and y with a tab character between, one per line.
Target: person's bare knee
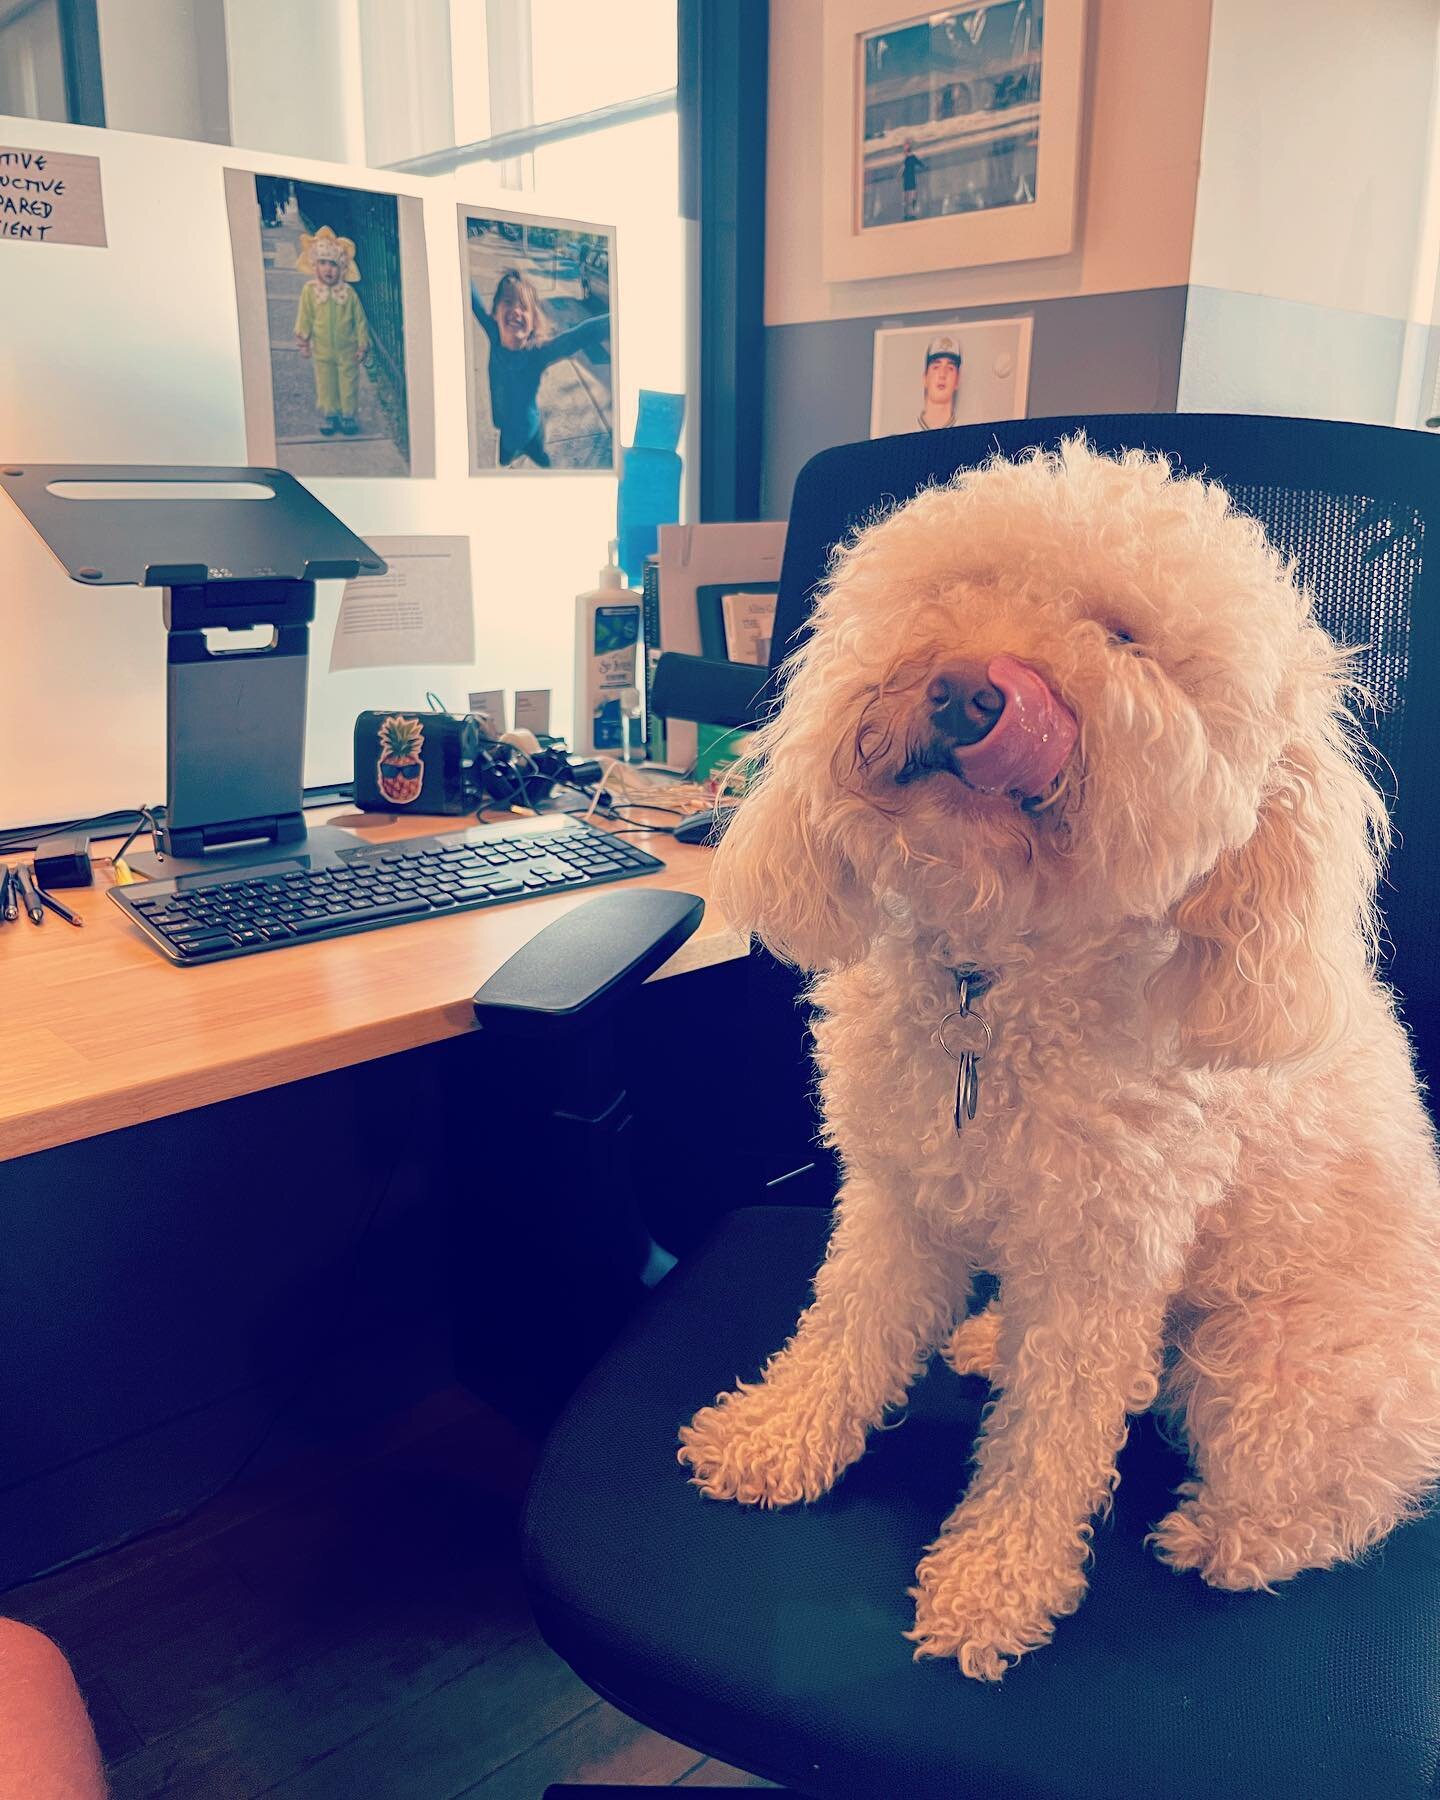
47	1748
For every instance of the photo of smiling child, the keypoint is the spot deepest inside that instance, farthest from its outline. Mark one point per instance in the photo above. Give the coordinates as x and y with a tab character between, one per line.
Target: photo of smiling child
539	304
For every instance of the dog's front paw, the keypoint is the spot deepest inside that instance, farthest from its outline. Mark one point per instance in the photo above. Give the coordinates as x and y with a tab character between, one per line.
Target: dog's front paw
765	1447
1233	1551
986	1606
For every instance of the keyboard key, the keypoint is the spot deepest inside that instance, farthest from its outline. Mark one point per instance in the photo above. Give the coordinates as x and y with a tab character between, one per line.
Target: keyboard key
198	945
509	885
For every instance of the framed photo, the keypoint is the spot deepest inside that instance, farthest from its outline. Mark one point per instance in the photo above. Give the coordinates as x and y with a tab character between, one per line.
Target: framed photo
927	377
951	137
334	306
539	297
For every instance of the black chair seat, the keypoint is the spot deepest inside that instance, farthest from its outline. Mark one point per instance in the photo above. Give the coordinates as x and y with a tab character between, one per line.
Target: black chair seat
773	1639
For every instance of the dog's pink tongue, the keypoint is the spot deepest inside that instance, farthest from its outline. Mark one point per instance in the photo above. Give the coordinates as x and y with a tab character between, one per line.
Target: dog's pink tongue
1028	744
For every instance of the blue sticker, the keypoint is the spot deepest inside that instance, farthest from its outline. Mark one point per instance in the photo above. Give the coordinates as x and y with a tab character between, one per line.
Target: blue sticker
657	425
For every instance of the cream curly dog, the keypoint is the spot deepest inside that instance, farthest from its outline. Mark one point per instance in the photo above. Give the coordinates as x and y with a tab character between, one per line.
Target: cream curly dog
1067	724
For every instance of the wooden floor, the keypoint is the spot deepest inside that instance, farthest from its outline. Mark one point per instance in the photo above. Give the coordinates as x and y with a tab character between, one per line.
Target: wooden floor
352	1625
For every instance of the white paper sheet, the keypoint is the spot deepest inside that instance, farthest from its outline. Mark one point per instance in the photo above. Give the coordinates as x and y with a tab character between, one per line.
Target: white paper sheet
420	612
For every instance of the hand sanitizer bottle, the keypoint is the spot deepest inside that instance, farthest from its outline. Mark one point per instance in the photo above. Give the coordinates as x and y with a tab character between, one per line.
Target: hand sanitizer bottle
607	647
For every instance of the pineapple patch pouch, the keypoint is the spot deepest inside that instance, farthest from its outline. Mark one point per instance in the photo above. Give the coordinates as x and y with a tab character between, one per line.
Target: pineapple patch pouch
414	761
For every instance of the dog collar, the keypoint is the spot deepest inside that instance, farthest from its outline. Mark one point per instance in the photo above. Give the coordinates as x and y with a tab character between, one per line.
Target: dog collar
978	981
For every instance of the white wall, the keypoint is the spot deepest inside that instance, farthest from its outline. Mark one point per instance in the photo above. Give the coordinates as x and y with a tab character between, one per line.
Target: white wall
1316	225
1144	97
1315	158
1253	353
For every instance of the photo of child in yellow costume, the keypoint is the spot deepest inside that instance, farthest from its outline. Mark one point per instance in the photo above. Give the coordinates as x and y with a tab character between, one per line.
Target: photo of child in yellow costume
327	373
330	327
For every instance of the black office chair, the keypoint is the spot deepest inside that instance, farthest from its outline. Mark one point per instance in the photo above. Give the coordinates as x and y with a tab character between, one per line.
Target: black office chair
772	1640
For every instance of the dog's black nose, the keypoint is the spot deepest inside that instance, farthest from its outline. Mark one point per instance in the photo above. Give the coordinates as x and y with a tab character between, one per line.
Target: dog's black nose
964	704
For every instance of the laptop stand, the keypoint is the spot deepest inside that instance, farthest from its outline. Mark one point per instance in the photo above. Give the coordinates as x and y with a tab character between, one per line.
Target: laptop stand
235	719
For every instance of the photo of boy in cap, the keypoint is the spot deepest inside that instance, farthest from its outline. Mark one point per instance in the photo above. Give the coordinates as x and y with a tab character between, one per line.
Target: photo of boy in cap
942	383
970	371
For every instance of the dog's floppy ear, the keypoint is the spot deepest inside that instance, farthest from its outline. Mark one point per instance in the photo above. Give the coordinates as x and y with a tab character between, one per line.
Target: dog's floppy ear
782	873
1283	929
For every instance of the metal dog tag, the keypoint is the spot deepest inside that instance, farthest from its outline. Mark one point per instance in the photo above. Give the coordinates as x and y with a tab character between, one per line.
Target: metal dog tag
965	1037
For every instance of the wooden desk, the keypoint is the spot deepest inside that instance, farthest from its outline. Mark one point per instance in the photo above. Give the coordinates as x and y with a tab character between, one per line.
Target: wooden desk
99	1031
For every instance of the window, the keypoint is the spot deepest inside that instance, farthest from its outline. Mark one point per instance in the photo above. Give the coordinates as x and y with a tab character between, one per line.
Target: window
50	61
585	56
32	63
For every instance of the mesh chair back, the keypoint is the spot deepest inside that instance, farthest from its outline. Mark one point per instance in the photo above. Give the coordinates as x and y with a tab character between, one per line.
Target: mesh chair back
1352	504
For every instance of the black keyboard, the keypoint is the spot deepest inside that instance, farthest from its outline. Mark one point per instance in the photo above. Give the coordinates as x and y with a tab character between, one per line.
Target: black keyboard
295	898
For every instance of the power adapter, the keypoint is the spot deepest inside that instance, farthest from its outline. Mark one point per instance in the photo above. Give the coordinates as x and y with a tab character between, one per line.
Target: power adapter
63	861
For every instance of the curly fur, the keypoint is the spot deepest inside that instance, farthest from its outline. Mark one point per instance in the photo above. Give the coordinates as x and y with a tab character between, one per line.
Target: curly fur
1201	1168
